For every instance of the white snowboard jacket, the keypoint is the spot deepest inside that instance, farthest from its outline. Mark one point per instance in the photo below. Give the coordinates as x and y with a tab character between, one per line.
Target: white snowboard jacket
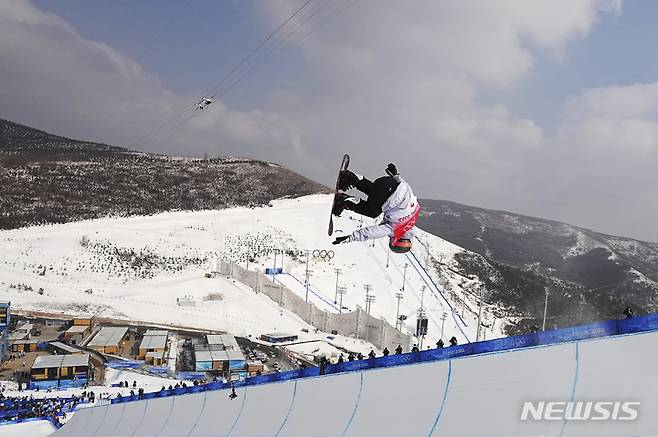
397	208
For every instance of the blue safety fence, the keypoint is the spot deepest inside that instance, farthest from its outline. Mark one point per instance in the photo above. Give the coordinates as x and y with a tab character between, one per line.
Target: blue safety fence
576	333
190	375
58	384
157	370
124	364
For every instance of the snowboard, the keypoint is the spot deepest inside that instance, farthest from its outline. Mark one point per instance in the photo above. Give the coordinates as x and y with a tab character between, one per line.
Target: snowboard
343	167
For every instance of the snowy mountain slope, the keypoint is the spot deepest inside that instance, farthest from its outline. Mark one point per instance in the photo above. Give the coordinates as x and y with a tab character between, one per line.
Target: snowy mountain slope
137	267
17	137
49	179
590	276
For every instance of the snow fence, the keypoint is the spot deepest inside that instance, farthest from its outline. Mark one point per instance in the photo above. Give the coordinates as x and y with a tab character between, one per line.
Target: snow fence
442	392
357	324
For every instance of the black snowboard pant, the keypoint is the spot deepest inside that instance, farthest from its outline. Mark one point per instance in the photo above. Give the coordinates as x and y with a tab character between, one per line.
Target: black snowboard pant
378	192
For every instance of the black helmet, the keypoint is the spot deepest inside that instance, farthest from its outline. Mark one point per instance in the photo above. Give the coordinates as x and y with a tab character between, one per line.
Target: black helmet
403	245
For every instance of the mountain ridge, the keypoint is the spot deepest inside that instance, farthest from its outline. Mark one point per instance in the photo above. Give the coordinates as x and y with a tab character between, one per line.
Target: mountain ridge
52	179
589	275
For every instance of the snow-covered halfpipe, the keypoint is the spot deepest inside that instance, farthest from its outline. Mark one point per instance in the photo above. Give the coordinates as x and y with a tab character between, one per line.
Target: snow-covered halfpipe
480	395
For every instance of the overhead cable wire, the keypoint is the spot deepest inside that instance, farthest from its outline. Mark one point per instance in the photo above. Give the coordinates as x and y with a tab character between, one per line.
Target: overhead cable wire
293	36
214	89
164	127
273	47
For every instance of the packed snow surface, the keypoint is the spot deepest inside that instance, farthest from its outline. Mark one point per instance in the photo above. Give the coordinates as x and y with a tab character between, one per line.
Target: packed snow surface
40	428
151	268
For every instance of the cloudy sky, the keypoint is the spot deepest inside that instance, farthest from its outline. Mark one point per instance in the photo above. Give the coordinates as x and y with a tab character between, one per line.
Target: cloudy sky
548	108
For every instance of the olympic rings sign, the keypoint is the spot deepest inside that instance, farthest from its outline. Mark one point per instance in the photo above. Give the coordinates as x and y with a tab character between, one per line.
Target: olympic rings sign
324	255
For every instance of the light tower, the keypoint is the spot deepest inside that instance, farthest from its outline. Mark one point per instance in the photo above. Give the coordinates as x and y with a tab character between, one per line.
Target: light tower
338	272
399	296
342	291
370	298
308	274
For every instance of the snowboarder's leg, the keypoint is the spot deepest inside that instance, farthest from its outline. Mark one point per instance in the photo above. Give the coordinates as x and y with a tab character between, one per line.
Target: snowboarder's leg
348	180
363	207
378	192
381	190
360	206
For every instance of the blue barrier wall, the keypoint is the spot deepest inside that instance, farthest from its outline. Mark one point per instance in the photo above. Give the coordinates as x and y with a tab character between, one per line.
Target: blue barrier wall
594	330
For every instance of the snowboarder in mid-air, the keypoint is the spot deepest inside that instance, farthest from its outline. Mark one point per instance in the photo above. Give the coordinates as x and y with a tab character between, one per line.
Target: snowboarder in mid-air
389	195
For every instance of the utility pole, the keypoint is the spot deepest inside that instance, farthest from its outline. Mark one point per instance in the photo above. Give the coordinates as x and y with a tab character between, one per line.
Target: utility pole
421	313
477	335
337	271
422	295
369	297
421	316
404	275
543	323
399	297
308	272
341	291
443	322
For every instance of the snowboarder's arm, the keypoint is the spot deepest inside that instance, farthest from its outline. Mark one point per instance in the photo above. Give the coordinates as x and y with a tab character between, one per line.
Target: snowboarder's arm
376	231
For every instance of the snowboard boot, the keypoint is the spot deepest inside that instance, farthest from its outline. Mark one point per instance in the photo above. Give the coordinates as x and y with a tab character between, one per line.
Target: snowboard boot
347	180
341	203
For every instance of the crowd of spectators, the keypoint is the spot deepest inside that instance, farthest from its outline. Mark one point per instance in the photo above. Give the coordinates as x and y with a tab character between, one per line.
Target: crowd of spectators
371	355
28	407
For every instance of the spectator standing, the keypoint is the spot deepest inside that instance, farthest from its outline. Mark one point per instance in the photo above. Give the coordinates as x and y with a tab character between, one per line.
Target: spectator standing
453	341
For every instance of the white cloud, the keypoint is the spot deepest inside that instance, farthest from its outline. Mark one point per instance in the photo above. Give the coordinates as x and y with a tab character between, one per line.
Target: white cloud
622	117
385	81
401	83
54	79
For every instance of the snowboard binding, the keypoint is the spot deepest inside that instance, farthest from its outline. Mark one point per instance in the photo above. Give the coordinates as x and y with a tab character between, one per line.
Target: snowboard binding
340	204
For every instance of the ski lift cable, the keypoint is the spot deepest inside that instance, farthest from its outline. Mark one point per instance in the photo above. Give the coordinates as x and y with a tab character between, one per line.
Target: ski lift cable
337	12
274	46
165	131
295	39
297	36
215	88
163	128
294	33
160	128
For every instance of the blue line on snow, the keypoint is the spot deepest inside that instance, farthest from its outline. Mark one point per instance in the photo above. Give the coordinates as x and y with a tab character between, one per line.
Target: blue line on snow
244	399
432	286
292	402
443	402
319	296
146	406
356	405
573	387
203	407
